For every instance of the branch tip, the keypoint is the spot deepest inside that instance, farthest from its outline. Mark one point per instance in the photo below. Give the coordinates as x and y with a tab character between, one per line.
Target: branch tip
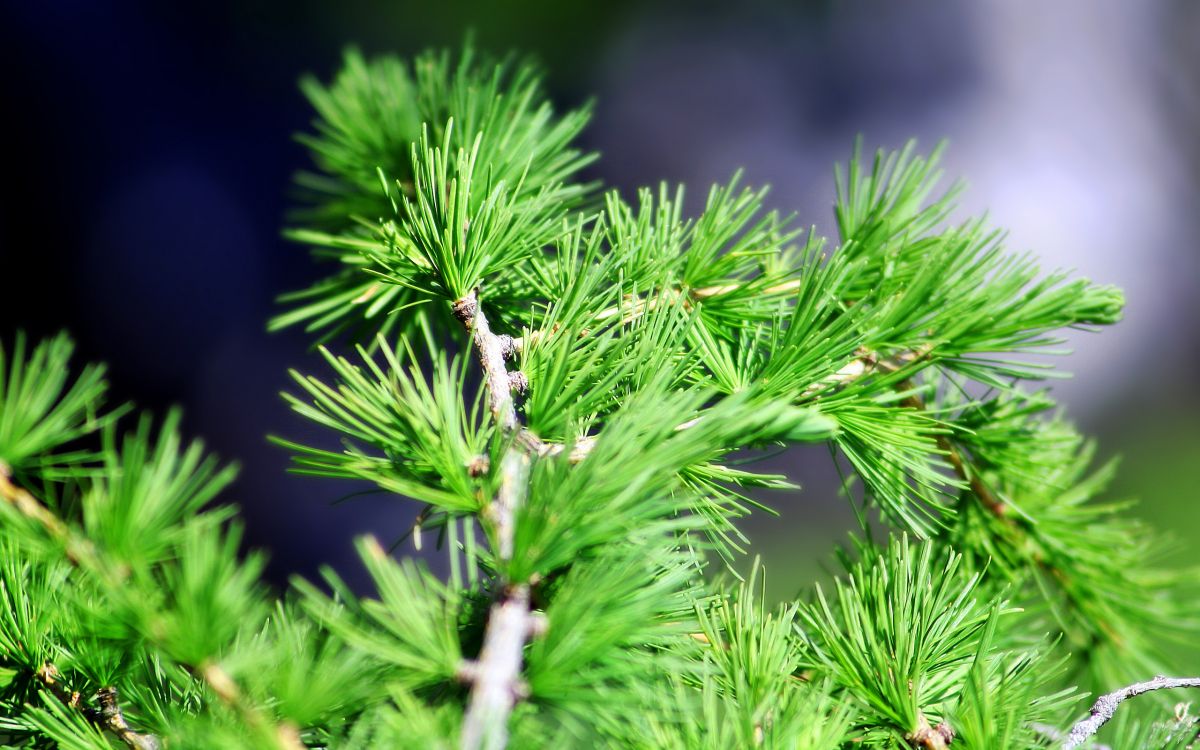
464	308
927	737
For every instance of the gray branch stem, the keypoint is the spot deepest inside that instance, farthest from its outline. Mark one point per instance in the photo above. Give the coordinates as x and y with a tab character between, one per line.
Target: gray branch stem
490	349
1106	706
495	676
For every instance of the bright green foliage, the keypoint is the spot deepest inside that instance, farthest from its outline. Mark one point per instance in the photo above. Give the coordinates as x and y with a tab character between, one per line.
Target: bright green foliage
475	133
656	354
912	638
147	491
39	411
413	625
611	618
426	439
1006	699
902	634
464	225
66	728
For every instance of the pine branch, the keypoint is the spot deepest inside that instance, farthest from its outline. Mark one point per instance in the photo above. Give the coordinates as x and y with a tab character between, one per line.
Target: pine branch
81	553
491	351
495	676
723	310
657	344
1106	706
1028	539
28	506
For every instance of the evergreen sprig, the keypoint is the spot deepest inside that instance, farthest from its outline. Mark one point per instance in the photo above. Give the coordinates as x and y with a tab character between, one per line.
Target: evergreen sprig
571	384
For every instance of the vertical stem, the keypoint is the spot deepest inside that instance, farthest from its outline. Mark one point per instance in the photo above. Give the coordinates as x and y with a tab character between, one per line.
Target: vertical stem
495	676
514	480
490	349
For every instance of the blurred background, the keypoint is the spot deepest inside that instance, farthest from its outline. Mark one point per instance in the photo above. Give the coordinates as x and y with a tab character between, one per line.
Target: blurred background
147	154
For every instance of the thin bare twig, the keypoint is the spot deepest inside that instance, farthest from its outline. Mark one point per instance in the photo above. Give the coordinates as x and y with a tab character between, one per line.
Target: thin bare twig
495	676
865	363
634	306
114	721
1054	734
1106	706
108	716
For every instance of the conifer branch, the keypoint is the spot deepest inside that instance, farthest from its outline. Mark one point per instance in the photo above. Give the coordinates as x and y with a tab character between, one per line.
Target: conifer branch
81	553
982	492
657	343
495	676
27	505
996	505
1106	706
960	462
